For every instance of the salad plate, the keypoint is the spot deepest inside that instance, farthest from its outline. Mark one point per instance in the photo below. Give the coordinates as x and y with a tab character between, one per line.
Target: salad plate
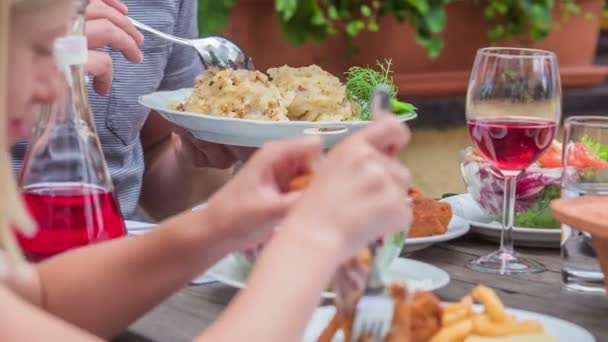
563	330
246	132
457	228
417	275
485	226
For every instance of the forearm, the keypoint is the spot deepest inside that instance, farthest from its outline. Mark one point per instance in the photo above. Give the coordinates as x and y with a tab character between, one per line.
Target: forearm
104	288
21	321
170	187
284	289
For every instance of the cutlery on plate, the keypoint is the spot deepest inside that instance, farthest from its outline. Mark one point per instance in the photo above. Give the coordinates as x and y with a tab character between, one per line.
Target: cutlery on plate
374	311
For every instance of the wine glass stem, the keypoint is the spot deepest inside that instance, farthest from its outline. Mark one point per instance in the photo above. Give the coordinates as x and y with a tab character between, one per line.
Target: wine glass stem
506	241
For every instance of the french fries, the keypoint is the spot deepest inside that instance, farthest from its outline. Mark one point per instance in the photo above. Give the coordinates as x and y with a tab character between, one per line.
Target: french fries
491	302
459	320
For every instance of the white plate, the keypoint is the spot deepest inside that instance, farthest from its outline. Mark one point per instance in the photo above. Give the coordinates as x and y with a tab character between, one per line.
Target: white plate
563	330
137	227
416	274
242	132
483	225
457	228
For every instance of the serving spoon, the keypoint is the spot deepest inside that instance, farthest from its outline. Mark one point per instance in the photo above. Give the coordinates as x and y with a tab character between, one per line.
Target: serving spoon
214	51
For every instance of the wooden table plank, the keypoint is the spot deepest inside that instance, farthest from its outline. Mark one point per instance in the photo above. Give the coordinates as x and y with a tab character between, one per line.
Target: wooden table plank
191	310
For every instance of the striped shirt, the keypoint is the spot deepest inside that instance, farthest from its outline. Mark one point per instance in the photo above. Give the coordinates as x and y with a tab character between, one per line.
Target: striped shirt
118	117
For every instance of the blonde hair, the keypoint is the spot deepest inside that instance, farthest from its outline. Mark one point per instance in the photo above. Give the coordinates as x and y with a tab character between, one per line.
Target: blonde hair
12	212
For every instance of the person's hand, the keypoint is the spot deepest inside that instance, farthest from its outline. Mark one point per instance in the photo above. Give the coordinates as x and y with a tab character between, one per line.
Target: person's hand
196	153
358	193
250	206
108	25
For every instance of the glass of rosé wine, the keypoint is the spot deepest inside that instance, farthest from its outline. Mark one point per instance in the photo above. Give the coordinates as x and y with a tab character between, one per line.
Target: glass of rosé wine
513	110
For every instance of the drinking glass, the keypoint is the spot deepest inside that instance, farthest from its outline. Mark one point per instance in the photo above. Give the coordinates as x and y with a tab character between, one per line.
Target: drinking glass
513	110
585	173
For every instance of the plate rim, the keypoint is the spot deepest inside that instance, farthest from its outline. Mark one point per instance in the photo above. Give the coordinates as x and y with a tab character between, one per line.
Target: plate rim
143	101
458	231
494	225
442	280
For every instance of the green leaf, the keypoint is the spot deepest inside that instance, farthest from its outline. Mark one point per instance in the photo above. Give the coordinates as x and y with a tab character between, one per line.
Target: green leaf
332	13
373	26
539	215
213	15
598	149
354	27
366	11
402	107
307	22
435	20
286	7
361	83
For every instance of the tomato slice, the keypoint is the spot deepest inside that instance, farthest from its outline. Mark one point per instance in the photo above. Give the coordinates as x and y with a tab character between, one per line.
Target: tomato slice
581	157
552	158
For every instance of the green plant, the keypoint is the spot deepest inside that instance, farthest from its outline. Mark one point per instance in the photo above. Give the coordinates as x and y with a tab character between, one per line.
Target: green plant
301	20
514	18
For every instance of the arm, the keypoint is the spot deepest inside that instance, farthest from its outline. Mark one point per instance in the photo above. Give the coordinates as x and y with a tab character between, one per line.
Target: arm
21	321
104	288
318	235
179	181
179	175
286	307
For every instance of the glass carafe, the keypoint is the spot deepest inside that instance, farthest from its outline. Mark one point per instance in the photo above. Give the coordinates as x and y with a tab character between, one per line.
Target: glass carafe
65	181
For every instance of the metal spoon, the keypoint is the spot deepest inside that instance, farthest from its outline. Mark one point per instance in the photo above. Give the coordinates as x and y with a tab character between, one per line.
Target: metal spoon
214	51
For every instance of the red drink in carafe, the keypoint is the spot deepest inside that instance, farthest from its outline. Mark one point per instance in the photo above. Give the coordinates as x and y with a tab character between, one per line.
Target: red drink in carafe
70	216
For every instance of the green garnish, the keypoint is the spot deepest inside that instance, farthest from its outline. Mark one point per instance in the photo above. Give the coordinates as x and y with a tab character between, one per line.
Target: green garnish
594	176
539	215
361	83
598	149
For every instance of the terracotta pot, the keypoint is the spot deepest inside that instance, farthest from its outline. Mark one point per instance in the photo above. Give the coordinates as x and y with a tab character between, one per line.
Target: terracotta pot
254	26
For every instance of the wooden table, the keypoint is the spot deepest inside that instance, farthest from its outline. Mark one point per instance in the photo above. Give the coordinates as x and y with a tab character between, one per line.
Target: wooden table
191	310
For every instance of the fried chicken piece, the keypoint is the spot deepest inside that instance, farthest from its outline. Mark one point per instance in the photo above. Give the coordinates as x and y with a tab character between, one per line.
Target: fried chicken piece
414	194
416	318
430	217
444	213
426	316
401	326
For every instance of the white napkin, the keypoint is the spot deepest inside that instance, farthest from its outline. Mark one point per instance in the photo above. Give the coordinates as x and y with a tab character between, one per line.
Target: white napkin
136	228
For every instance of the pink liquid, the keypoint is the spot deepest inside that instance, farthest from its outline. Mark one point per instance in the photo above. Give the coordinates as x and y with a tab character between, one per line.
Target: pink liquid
70	217
512	144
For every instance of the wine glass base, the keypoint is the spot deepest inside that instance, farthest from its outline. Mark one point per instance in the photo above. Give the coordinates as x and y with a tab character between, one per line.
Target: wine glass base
505	263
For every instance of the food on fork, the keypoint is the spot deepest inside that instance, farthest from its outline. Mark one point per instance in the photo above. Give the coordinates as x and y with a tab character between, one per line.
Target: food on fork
416	318
419	317
291	93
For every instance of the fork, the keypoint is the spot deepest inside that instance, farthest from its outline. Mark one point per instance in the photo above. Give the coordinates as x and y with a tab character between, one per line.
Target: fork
374	312
214	51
